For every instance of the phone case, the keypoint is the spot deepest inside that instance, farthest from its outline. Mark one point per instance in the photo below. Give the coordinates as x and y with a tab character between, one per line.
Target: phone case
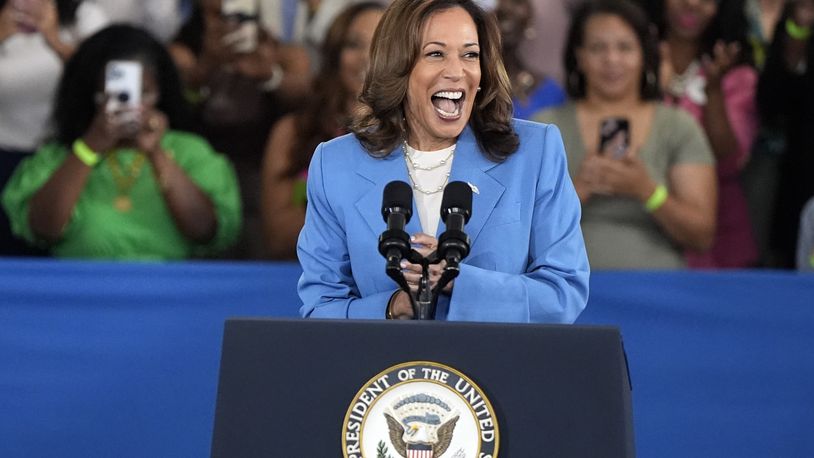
614	137
123	85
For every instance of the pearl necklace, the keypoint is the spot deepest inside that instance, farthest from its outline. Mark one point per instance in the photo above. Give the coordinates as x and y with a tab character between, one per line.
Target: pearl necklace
411	162
418	166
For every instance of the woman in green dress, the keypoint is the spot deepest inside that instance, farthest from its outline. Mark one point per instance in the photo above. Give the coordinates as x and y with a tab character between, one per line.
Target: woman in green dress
123	183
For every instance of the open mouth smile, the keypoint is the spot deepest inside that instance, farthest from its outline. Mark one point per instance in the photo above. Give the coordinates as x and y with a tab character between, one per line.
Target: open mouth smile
448	104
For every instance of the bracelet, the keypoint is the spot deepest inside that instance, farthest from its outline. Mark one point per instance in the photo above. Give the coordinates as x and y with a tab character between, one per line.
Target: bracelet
85	154
388	314
657	199
811	260
797	32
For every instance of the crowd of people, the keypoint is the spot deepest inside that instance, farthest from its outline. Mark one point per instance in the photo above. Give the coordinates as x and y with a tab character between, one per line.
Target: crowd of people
714	170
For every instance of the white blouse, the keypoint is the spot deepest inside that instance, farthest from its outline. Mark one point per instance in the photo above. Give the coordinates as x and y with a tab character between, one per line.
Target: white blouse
29	73
429	174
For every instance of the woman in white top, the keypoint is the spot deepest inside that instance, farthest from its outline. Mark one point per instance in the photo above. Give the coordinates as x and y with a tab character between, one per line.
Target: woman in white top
34	43
36	37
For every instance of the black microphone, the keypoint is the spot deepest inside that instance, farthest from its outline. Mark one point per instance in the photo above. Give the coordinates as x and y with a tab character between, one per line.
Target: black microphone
456	208
397	208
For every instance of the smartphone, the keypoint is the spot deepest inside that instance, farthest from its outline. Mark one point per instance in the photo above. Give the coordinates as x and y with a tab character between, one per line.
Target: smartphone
244	14
123	89
614	137
123	85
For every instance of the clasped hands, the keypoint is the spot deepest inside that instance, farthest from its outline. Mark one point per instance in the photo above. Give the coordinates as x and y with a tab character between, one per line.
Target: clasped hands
400	305
602	175
142	128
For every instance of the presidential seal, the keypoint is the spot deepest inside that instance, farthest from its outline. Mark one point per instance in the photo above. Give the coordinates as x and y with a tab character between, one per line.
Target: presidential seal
420	409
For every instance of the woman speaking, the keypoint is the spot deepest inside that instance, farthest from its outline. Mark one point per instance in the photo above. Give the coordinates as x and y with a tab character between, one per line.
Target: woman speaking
437	108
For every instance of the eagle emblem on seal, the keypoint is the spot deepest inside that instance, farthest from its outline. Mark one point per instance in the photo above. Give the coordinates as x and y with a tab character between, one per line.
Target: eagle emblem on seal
421	426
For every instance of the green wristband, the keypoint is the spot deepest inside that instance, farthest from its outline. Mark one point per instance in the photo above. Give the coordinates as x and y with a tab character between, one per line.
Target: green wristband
657	199
811	260
797	32
85	154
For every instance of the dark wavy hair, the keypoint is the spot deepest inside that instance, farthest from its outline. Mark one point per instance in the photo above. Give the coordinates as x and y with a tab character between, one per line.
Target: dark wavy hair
83	78
729	25
396	46
323	114
636	18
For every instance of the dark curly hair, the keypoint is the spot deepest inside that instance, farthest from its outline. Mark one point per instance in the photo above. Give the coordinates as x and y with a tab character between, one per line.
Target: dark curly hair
83	77
396	46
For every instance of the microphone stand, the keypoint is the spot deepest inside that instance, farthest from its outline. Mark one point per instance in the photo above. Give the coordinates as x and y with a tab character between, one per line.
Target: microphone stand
424	305
425	300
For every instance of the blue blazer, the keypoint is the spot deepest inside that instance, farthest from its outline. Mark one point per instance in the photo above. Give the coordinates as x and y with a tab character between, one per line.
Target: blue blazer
527	261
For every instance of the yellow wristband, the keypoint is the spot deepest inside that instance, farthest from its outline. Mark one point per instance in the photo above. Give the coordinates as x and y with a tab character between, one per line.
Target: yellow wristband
657	199
797	32
85	154
811	261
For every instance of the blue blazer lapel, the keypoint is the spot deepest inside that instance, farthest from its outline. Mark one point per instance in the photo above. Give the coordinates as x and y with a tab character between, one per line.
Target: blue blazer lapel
374	175
471	166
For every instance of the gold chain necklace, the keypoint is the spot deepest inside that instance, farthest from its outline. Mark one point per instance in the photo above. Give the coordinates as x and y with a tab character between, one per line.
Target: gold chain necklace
124	179
418	187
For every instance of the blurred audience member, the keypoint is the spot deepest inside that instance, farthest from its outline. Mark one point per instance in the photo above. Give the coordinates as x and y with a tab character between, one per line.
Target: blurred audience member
651	196
326	115
242	82
162	18
303	23
543	47
762	16
36	36
759	177
786	100
706	70
530	92
805	240
119	181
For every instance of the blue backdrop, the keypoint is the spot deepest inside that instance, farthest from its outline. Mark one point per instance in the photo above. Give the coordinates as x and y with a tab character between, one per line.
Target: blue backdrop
105	359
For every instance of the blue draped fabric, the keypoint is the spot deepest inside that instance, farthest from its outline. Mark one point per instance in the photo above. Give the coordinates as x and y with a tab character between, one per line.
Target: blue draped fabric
102	359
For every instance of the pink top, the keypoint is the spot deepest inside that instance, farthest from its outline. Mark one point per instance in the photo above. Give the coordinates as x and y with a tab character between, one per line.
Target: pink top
734	244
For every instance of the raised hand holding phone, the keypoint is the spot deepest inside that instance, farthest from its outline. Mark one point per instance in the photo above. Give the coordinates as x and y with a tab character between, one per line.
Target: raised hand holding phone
33	16
614	137
118	113
26	14
242	14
